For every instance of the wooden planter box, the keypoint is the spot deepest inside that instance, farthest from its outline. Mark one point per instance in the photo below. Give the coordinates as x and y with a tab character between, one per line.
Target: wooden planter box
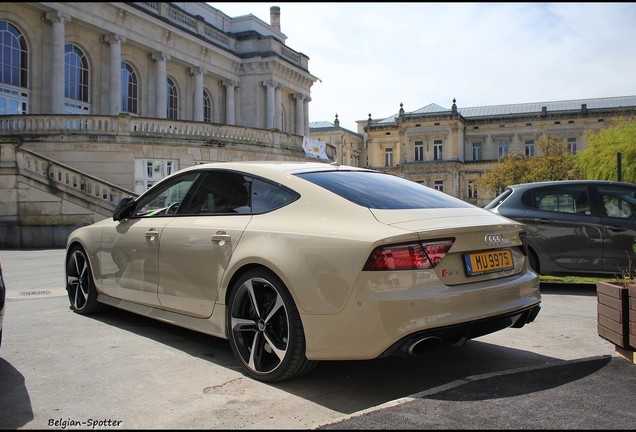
613	313
632	317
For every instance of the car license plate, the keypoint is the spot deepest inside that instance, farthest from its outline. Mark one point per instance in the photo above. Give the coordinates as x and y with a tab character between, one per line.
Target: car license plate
488	262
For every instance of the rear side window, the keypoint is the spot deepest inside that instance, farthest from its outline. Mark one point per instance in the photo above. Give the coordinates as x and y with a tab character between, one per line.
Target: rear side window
618	201
499	199
562	199
267	196
382	191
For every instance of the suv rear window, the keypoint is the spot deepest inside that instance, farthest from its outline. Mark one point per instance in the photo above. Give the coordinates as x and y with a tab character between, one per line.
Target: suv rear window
378	190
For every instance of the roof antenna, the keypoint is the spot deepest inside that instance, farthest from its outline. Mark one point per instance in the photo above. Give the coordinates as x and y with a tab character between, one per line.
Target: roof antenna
335	162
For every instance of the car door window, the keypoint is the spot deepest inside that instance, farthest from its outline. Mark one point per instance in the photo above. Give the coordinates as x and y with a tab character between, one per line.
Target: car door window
563	228
219	192
164	199
618	201
562	199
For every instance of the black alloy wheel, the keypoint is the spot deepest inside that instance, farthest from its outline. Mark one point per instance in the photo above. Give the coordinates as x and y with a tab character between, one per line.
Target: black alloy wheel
264	328
79	283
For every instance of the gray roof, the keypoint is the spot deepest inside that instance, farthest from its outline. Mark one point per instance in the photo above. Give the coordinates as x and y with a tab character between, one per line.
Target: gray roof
509	109
525	108
320	125
536	107
430	108
328	125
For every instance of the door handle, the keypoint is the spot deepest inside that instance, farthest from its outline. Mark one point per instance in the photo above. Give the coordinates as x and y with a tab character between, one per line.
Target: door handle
221	237
539	220
151	234
615	228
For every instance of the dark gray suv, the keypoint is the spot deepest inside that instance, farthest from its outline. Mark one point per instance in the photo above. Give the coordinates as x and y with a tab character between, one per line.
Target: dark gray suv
575	226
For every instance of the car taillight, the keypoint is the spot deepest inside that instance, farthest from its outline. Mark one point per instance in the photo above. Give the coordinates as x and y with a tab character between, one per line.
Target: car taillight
408	256
524	243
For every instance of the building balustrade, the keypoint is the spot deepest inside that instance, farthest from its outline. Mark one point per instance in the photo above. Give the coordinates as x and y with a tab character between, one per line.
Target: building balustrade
65	178
29	125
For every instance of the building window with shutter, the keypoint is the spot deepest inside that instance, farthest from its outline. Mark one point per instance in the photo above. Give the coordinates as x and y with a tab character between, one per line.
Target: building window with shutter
419	150
529	145
503	148
437	150
388	157
476	151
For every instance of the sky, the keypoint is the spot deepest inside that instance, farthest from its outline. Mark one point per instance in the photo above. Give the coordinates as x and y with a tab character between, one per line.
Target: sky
370	57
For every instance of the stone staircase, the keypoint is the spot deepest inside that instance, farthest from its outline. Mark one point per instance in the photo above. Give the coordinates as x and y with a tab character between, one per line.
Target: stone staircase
49	199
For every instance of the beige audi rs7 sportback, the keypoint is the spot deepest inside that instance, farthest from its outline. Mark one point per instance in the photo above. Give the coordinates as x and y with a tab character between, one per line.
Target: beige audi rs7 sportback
297	262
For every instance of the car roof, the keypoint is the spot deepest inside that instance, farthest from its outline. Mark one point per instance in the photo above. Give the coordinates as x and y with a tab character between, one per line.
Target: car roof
271	167
566	182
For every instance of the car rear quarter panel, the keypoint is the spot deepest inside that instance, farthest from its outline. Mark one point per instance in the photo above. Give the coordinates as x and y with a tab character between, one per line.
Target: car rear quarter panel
317	252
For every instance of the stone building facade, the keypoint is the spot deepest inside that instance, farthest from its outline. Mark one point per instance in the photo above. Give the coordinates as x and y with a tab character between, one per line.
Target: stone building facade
101	100
449	149
348	146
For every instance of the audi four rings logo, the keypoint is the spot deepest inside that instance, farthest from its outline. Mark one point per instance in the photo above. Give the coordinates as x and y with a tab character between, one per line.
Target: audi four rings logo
494	239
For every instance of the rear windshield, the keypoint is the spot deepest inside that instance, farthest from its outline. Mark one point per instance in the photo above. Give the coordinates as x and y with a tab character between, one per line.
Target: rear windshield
382	191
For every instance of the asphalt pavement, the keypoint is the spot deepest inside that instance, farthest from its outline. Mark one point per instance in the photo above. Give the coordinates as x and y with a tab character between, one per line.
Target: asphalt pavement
58	367
593	393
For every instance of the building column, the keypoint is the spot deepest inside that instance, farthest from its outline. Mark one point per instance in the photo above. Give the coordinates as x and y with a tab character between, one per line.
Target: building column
269	114
161	98
306	101
58	21
277	107
230	104
197	99
114	89
300	115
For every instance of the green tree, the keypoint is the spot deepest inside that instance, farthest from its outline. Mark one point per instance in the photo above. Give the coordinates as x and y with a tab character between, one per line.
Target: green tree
599	158
555	162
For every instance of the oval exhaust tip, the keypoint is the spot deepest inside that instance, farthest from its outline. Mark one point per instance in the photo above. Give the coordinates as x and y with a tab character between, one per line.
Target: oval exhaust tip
423	345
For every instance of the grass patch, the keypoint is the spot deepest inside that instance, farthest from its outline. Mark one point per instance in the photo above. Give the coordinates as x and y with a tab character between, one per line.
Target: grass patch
576	279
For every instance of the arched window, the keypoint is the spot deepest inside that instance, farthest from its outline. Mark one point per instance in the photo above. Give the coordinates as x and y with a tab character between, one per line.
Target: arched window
207	107
173	100
76	82
129	89
13	70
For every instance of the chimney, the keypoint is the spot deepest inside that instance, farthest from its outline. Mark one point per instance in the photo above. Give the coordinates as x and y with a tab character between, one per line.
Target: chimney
274	17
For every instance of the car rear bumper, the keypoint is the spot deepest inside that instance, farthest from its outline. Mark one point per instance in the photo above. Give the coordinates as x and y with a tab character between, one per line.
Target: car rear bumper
422	342
381	320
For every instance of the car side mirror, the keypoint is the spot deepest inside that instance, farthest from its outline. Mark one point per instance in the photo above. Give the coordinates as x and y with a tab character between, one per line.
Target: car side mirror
124	208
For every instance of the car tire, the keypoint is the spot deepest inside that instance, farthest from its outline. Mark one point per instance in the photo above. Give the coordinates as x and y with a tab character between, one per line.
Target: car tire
79	283
264	328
